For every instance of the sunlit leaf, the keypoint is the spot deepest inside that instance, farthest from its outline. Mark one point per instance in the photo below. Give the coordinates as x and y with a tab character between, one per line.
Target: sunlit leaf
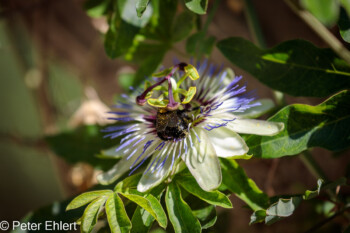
180	214
325	125
214	197
326	11
87	197
118	220
149	203
295	67
197	6
235	179
90	215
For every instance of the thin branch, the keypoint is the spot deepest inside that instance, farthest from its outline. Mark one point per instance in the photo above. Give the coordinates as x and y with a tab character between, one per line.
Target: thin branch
320	29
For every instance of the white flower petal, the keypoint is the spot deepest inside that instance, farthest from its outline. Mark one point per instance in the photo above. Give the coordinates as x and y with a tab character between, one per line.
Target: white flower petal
256	111
258	127
156	172
202	162
124	164
227	143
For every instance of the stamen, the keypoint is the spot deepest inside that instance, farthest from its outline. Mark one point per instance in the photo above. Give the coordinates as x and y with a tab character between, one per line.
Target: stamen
140	100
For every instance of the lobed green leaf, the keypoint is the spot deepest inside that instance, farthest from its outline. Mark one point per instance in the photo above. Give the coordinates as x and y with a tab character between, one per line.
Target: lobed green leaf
89	219
213	197
180	214
206	216
118	220
325	125
149	203
86	198
344	25
294	67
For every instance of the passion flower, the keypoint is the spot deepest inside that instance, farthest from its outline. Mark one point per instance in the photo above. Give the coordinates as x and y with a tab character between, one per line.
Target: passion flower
190	121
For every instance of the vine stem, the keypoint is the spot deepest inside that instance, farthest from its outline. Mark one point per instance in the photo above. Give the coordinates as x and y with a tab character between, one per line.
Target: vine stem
325	221
320	29
312	165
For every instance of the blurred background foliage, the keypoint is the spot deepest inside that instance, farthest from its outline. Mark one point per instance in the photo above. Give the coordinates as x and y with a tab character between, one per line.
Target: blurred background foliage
56	55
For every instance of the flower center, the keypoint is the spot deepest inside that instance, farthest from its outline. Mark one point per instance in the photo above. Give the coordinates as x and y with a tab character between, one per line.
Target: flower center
172	125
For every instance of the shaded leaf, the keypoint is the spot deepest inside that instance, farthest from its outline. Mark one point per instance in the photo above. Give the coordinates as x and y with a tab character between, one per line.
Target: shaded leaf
206	216
344	25
214	197
97	8
180	214
295	67
325	125
81	145
183	25
90	215
257	216
326	11
118	220
311	194
87	197
235	179
197	6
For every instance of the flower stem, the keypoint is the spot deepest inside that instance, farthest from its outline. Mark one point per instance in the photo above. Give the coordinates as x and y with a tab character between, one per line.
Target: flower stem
312	165
253	24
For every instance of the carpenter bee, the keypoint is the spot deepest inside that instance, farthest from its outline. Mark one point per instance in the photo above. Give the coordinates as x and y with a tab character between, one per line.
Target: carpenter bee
172	125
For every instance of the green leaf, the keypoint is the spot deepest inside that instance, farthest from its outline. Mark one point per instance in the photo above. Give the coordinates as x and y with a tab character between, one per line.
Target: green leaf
119	40
346	5
326	11
142	220
295	67
284	207
257	216
150	64
87	197
90	215
183	25
124	26
311	194
214	197
129	15
118	220
141	6
180	214
128	183
81	145
235	179
344	25
197	6
149	203
206	216
325	125
97	8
